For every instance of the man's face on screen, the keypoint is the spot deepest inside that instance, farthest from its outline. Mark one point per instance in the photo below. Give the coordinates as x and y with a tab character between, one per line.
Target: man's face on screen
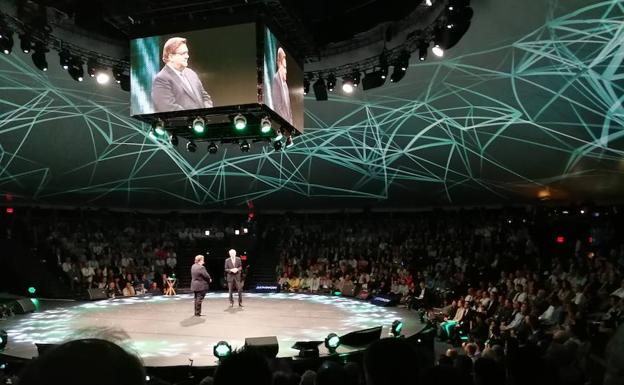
179	59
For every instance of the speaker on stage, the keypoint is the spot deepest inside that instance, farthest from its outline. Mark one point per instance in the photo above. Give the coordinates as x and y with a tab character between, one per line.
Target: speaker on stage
361	337
385	300
268	346
97	294
423	342
23	305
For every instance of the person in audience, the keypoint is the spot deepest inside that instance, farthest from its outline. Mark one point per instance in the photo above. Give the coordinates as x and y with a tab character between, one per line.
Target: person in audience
247	366
129	291
391	361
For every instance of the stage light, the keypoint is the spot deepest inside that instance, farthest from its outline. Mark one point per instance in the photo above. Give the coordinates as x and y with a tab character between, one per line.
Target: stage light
240	122
347	85
39	57
320	91
331	82
373	80
237	232
428	3
306	86
92	66
102	77
6	41
124	82
397	326
213	148
423	48
307	349
355	77
244	146
289	142
159	127
332	341
64	58
75	69
173	139
403	60
191	146
437	50
222	350
4	339
118	73
278	137
199	125
25	43
277	145
245	230
32	290
207	233
265	125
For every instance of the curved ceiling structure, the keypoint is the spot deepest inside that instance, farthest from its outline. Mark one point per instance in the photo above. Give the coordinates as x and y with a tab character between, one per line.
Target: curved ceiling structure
529	102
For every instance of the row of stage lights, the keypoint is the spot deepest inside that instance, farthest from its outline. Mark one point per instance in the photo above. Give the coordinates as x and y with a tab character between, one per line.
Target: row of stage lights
198	125
457	14
72	63
223	349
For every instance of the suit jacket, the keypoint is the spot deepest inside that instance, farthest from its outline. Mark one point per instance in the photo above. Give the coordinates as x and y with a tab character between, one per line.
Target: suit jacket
199	278
228	265
281	98
169	93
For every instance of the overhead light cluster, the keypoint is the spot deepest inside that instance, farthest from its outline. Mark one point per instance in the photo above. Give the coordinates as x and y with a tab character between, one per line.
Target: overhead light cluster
447	30
72	59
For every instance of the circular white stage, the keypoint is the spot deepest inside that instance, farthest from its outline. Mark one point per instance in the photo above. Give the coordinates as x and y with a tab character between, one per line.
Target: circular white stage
164	332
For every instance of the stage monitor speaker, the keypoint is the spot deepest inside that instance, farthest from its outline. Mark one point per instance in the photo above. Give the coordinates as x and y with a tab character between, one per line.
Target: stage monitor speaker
97	294
268	346
23	305
385	300
43	348
361	337
423	342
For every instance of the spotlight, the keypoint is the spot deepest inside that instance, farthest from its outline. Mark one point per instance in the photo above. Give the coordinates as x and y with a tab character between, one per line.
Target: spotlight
373	80
428	3
423	47
289	142
397	325
191	146
32	290
6	41
118	73
64	58
332	341
159	127
199	125
244	146
124	82
355	76
331	82
306	86
222	350
347	85
102	77
75	69
25	43
92	66
437	50
279	136
39	57
4	339
212	148
265	125
320	91
277	145
307	349
240	122
403	60
173	139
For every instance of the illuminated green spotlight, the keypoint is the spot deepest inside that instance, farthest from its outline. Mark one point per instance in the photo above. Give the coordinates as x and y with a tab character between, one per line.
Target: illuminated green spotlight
199	125
397	325
265	125
332	341
240	122
222	350
32	290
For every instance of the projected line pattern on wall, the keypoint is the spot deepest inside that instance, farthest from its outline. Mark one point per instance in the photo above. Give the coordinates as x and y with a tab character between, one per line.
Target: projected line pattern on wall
546	110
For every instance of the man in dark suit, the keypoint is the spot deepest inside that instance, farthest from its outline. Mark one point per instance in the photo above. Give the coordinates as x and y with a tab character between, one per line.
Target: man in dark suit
233	267
199	282
177	87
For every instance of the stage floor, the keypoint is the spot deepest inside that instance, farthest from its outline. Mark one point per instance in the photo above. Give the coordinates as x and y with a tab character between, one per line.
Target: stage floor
164	332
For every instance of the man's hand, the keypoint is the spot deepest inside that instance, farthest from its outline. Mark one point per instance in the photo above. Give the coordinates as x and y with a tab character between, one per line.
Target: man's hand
234	270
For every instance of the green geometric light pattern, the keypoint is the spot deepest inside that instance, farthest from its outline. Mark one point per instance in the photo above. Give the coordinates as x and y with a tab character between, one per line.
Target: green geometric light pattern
506	114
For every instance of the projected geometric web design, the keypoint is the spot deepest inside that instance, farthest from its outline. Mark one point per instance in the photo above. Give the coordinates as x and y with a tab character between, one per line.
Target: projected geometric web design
496	124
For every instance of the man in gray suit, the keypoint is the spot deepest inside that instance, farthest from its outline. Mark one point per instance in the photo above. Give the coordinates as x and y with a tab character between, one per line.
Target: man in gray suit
177	87
233	267
199	282
279	88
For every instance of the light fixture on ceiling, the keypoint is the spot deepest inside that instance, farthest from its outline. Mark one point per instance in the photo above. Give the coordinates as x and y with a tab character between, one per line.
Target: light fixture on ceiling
347	85
306	86
213	148
265	125
191	146
244	146
25	43
39	57
6	40
331	82
320	91
199	125
240	122
75	69
64	58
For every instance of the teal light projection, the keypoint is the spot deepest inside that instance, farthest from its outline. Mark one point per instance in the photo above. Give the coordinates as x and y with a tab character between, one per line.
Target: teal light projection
501	118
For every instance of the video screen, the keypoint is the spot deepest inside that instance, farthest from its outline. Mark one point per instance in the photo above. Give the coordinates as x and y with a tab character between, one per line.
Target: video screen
192	70
283	81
